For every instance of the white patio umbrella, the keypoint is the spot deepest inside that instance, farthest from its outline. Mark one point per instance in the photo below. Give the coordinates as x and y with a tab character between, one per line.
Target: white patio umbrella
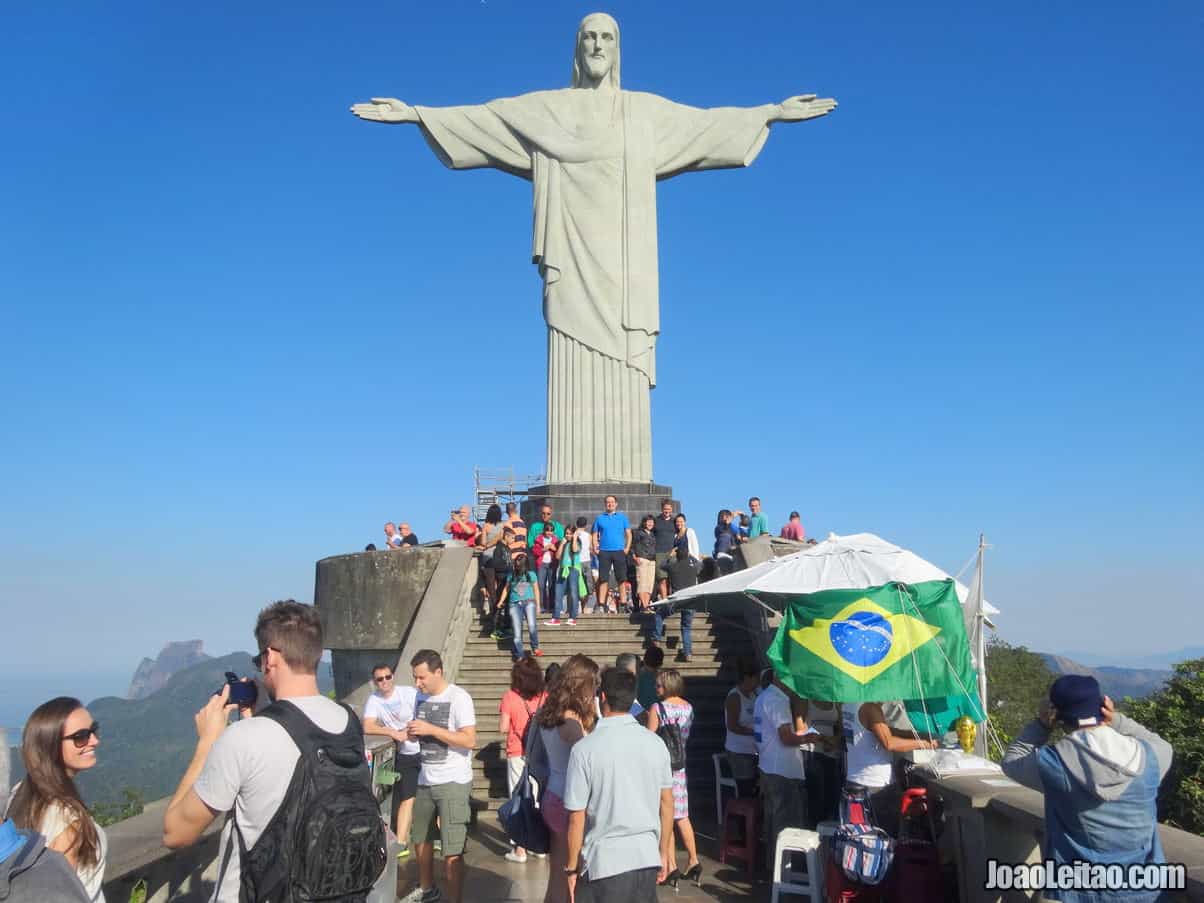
839	562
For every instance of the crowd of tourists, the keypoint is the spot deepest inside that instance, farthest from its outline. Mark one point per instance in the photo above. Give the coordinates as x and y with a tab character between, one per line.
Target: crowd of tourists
612	565
602	746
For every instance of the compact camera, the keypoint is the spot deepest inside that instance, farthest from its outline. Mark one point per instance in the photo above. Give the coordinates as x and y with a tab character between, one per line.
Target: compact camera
243	693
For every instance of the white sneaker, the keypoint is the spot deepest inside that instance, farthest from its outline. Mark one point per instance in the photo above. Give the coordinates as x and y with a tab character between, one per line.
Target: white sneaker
418	895
514	857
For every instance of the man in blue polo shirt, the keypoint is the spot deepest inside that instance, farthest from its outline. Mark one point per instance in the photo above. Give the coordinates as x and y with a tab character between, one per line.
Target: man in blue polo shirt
612	540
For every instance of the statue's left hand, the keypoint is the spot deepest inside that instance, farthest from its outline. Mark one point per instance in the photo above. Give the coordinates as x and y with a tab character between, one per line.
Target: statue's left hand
385	109
804	106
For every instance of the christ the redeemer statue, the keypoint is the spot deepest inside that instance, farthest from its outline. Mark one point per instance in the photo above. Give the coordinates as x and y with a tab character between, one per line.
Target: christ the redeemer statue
593	154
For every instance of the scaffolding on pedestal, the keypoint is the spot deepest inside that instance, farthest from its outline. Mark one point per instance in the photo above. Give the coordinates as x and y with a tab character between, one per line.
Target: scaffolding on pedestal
497	486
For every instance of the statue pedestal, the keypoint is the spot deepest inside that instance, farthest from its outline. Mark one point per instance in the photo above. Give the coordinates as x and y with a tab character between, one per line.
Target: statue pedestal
572	500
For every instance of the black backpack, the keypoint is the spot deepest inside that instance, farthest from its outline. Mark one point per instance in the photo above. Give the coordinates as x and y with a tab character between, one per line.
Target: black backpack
327	840
671	734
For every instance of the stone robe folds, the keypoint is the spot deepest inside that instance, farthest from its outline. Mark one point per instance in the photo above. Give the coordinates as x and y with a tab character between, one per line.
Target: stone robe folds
594	159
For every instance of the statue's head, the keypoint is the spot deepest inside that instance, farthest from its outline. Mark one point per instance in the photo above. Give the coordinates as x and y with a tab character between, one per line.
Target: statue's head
596	56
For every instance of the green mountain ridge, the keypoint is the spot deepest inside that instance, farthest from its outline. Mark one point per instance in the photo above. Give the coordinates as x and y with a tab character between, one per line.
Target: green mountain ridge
1114	681
147	743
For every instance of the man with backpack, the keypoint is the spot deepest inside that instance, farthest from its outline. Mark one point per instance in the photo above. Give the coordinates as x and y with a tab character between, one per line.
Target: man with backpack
298	761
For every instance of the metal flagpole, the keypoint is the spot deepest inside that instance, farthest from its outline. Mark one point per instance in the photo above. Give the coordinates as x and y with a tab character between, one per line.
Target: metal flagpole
980	648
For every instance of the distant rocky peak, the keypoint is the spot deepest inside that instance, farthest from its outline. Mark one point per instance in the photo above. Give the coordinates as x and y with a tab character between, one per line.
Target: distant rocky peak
153	674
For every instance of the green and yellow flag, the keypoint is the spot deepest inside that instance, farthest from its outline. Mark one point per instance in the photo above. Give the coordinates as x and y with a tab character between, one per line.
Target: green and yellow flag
898	641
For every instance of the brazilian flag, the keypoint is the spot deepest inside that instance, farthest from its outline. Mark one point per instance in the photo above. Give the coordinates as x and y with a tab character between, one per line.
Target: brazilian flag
894	642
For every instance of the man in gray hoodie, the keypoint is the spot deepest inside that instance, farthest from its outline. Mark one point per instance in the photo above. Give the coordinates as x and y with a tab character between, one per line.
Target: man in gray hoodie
1100	781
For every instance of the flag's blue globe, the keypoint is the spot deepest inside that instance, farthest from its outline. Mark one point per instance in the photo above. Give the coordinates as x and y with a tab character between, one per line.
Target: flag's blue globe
863	639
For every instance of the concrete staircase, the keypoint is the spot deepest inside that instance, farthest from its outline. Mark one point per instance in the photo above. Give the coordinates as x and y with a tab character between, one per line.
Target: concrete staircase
484	672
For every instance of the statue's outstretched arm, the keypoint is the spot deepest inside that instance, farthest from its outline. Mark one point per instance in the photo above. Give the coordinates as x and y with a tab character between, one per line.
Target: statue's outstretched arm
385	109
802	106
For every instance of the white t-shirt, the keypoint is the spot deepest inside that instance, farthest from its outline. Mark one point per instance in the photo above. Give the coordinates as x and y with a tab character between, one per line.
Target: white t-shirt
442	764
248	770
770	712
395	712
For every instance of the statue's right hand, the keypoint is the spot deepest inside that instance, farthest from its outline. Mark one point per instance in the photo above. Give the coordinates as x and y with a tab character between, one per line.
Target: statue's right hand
385	109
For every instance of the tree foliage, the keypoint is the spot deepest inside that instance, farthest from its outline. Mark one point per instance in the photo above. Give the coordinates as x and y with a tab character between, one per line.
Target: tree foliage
110	813
1176	713
1017	681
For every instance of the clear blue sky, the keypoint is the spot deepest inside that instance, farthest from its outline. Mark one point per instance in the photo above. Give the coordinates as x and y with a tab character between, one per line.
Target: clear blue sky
242	328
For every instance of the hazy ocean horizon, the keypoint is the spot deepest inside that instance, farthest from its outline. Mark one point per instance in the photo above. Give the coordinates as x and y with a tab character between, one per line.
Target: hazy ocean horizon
21	693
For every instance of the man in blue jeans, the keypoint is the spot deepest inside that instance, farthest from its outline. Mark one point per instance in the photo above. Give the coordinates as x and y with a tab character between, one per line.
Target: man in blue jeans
682	573
612	541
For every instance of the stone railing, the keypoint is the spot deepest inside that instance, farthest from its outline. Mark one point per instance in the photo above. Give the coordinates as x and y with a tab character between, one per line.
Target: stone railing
384	606
136	853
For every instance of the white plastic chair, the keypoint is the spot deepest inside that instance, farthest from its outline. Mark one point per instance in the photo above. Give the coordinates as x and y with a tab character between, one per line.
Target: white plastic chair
723	780
788	881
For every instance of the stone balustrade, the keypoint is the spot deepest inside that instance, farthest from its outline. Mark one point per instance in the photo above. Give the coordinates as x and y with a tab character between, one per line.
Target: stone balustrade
984	819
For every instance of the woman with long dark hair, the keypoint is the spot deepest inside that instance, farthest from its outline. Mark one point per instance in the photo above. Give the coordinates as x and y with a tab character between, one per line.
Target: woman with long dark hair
685	537
567	715
59	742
522	589
519	704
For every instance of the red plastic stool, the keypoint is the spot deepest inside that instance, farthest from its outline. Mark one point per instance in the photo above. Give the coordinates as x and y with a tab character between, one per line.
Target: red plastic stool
745	811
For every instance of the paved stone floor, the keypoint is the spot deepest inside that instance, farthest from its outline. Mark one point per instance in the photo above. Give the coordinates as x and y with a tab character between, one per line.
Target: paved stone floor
491	878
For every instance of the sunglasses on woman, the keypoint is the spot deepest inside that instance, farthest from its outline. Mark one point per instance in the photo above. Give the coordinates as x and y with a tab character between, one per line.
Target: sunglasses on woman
81	737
